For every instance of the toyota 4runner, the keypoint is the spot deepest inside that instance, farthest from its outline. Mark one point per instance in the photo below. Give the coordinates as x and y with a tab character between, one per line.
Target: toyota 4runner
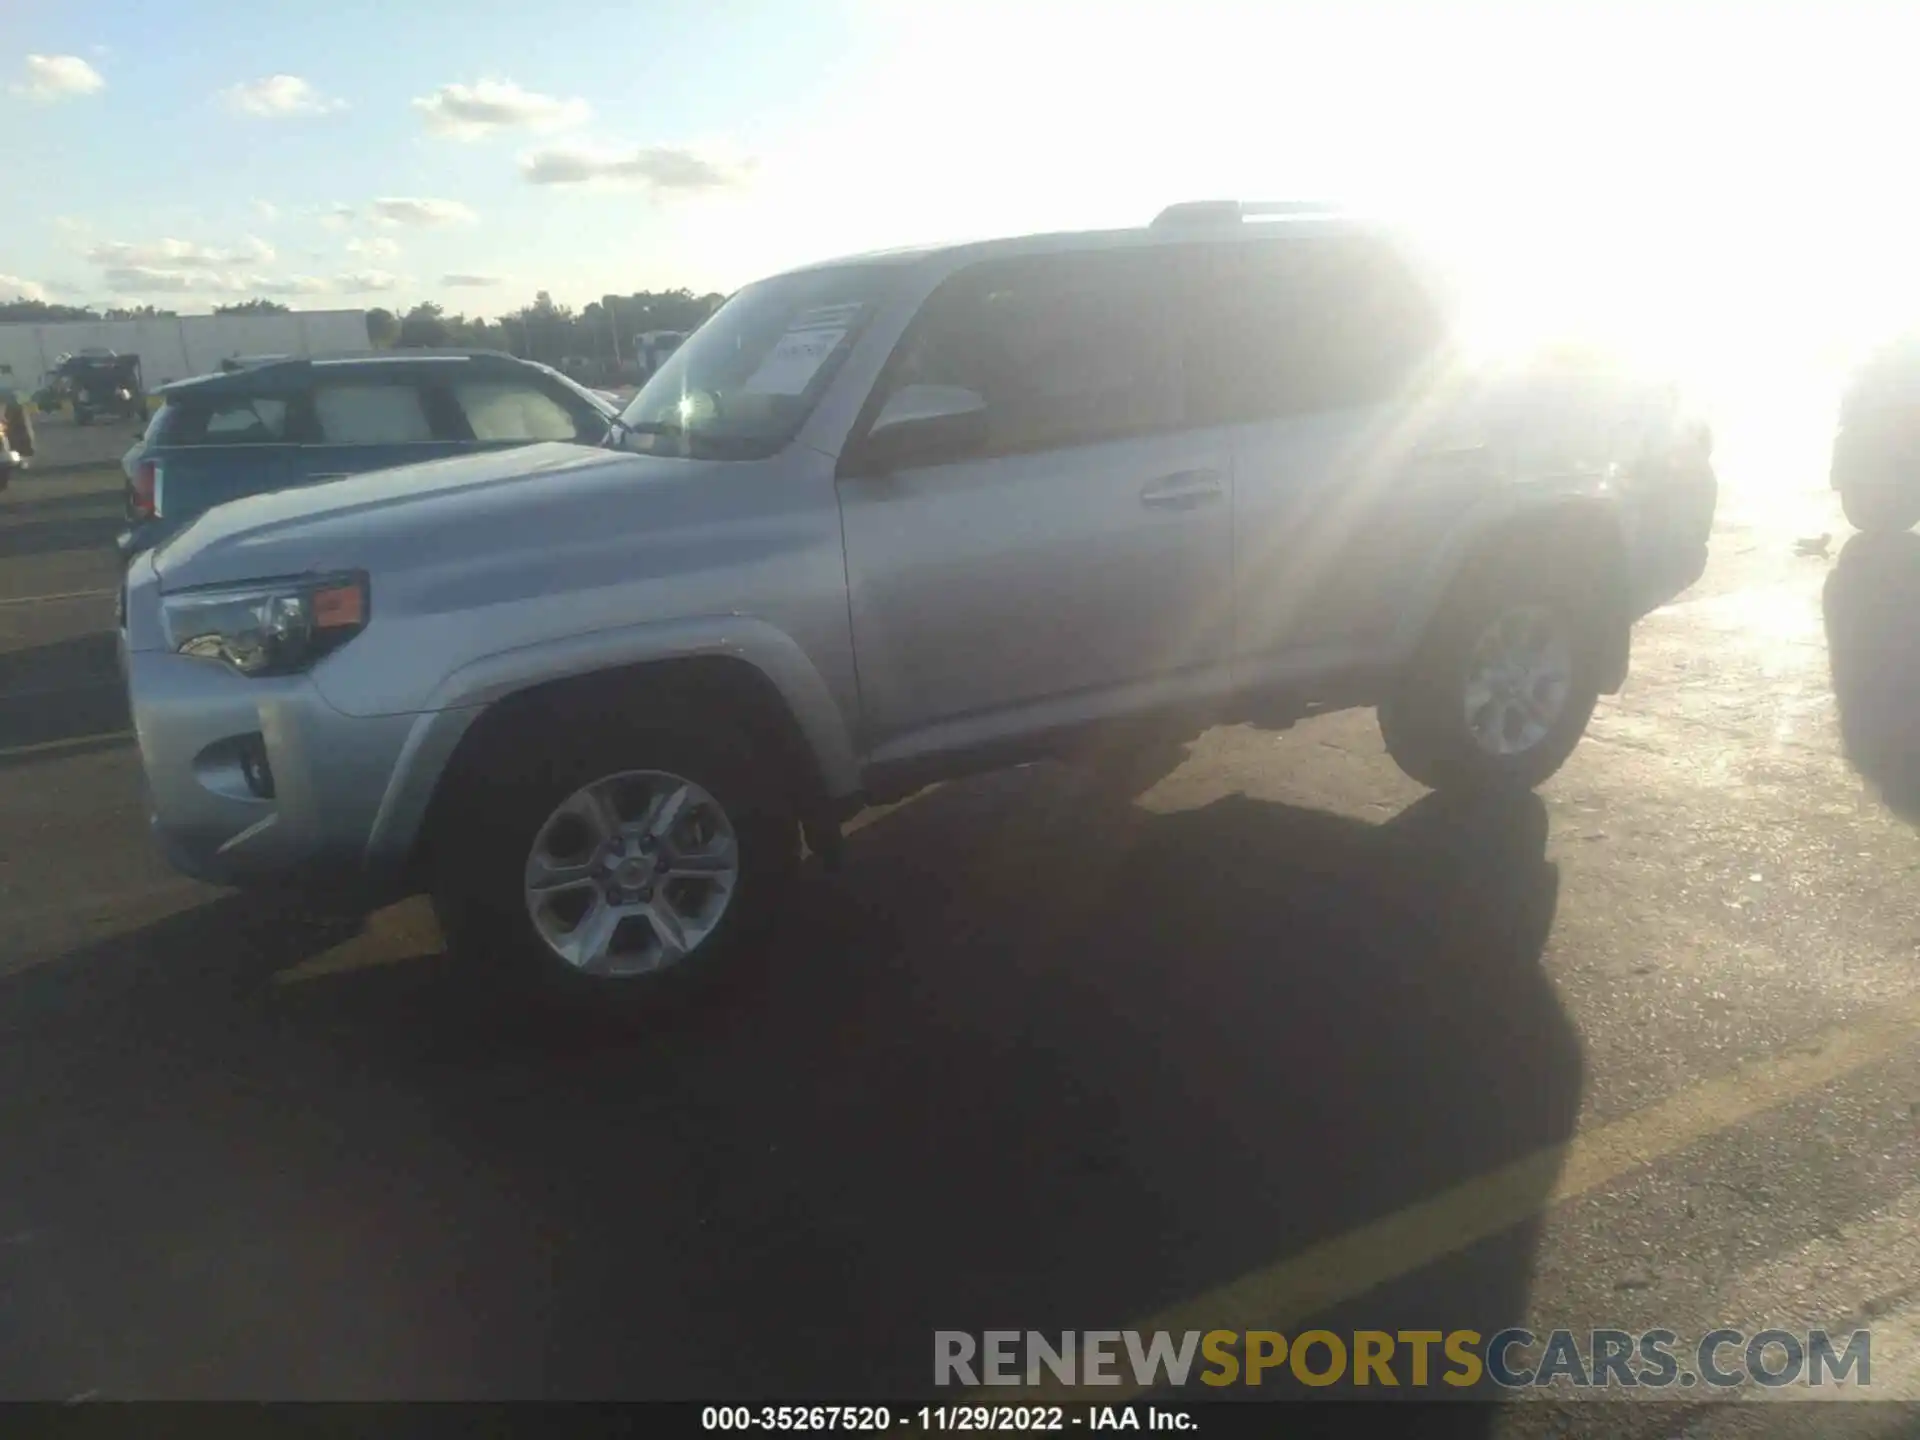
884	521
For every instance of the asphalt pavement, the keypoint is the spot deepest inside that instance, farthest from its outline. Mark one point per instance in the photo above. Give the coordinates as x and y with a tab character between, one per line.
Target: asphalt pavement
1271	1038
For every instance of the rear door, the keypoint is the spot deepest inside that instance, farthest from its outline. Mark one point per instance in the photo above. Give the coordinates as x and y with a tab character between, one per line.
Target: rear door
1320	355
355	422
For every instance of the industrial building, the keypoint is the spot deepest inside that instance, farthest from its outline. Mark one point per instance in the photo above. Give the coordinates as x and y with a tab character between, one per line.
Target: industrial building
175	347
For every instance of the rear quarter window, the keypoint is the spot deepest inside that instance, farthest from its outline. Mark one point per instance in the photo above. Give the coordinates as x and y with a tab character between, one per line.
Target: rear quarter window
225	420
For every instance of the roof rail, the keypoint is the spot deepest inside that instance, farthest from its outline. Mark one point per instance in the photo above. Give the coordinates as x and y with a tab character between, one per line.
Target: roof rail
1209	212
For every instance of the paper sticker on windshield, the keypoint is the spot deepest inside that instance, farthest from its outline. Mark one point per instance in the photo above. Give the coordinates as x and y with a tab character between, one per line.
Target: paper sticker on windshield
793	362
798	355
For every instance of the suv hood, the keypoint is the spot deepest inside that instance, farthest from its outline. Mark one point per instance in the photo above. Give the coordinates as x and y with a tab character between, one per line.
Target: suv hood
406	513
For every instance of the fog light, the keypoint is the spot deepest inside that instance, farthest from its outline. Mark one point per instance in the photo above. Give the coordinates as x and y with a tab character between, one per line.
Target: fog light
255	769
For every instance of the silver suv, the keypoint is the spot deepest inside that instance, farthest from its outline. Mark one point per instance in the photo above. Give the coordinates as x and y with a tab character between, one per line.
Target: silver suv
884	521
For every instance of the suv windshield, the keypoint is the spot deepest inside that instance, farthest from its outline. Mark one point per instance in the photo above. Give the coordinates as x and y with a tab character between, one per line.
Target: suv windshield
743	383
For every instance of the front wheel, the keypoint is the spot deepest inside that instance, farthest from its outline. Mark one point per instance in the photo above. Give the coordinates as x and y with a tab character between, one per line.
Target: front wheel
1500	693
607	877
1880	509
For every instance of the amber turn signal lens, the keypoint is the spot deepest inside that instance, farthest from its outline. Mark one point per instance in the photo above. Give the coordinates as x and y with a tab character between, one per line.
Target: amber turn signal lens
339	607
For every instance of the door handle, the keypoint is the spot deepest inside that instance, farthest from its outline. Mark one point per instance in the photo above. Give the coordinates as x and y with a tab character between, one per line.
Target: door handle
332	475
1183	490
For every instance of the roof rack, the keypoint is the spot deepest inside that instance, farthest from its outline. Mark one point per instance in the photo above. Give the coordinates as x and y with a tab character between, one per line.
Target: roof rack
1229	212
419	352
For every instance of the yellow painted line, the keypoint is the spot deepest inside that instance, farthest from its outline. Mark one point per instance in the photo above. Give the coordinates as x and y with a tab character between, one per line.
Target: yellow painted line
72	742
1347	1266
397	935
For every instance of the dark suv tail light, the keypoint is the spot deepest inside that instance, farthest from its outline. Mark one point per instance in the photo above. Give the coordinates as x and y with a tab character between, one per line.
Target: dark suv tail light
145	476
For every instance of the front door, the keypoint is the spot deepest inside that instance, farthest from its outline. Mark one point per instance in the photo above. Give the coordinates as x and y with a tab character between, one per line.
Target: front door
1076	557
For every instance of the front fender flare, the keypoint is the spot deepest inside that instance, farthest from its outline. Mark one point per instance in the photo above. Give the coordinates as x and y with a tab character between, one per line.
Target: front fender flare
467	693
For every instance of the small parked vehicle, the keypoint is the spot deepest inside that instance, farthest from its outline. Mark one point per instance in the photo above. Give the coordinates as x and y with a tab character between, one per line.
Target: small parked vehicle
275	423
16	435
887	521
103	383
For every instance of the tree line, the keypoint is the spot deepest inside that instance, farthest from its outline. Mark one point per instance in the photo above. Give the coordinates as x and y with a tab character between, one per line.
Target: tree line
595	340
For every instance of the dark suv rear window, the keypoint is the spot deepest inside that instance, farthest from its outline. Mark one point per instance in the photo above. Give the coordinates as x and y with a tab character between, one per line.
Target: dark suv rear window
225	420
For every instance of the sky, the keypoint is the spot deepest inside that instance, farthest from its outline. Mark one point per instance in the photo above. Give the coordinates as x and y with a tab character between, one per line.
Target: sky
1725	185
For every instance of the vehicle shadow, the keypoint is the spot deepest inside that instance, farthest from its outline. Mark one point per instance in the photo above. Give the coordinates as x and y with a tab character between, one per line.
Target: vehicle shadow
1873	649
42	537
1039	1059
21	501
61	690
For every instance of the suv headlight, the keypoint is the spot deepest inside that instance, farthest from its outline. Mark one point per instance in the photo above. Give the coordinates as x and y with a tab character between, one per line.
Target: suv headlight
271	627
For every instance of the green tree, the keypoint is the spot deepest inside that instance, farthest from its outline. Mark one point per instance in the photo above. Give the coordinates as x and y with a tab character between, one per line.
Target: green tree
383	327
42	312
424	328
253	307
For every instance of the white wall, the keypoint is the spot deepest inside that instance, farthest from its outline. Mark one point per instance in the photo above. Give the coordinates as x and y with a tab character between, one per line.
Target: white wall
173	349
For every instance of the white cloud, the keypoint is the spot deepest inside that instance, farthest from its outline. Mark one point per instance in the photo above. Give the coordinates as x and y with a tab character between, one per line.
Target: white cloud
266	210
380	247
57	77
278	97
160	279
660	167
467	279
468	112
410	211
291	285
12	287
361	282
336	217
179	254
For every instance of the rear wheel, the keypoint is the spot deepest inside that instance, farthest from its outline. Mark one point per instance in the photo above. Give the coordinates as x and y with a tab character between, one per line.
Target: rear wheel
1501	692
1880	509
641	863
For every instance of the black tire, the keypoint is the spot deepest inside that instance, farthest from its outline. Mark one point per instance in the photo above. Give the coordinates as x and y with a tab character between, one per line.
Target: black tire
482	842
1423	720
1881	509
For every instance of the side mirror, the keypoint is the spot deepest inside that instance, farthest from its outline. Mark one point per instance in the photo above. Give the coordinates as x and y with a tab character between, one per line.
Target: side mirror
924	425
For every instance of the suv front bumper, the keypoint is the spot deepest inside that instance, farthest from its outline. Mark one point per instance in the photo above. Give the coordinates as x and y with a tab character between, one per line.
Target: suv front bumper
260	781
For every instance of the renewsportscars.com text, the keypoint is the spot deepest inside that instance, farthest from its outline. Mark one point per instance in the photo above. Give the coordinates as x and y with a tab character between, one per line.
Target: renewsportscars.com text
1511	1359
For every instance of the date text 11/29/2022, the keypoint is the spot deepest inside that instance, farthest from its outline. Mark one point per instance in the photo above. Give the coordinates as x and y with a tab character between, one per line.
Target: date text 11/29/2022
997	1418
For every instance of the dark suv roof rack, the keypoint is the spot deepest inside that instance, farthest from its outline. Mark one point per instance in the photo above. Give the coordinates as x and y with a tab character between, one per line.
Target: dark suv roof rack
1229	212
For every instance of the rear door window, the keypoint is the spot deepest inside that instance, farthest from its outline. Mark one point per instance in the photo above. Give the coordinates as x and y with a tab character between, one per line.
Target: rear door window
512	410
1298	326
388	414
